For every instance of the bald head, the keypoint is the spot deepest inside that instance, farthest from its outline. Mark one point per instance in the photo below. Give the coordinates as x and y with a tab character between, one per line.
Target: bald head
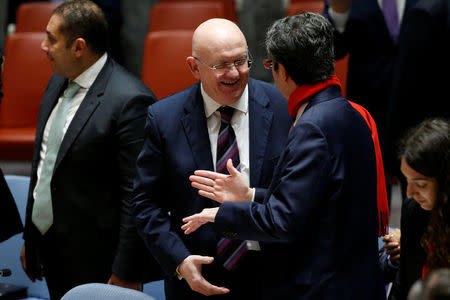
216	34
220	60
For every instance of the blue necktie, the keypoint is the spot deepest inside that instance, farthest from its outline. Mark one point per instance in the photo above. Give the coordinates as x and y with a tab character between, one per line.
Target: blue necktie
42	215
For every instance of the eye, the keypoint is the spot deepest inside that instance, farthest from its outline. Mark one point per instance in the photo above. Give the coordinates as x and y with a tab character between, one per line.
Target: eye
240	62
220	66
421	185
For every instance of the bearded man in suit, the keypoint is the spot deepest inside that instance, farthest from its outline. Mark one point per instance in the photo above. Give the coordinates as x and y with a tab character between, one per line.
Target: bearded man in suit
78	225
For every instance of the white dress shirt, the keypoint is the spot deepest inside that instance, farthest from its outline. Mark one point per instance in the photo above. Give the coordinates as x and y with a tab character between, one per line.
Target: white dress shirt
240	124
84	80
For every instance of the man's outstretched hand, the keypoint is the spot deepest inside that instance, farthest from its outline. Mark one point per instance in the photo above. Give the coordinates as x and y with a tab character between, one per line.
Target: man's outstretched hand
191	270
221	187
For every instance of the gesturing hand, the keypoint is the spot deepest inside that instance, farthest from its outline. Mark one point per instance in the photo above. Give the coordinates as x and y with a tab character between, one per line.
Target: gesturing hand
221	187
195	221
191	270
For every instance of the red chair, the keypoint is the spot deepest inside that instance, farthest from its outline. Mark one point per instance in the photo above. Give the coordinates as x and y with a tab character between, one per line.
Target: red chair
299	6
25	76
164	67
34	16
183	15
228	5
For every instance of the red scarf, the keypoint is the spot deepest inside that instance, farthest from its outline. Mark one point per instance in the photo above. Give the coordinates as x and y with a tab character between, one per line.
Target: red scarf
382	203
304	92
302	95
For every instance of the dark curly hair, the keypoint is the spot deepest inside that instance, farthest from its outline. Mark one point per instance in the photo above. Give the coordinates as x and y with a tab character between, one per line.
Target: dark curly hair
426	149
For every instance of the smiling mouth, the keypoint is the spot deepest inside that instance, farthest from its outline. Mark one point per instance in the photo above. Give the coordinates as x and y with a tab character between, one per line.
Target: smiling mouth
229	82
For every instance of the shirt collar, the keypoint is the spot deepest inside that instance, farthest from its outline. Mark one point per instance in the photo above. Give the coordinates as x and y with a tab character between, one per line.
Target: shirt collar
211	105
87	78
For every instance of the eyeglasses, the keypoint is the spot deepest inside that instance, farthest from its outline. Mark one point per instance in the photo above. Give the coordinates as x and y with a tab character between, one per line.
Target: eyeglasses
240	64
268	63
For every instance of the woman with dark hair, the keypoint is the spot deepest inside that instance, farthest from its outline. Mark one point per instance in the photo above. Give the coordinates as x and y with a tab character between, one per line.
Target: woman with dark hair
425	219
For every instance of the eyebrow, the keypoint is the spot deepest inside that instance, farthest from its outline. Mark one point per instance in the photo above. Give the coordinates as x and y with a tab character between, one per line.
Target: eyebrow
49	34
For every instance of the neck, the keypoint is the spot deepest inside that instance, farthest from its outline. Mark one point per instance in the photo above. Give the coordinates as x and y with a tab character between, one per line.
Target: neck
85	63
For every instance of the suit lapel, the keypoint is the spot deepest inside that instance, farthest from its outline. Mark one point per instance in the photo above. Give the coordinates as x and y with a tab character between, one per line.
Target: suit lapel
196	130
89	104
261	118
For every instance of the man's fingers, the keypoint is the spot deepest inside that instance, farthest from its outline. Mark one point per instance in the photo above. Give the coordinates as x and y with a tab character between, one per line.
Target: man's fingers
211	196
207	289
204	260
202	187
210	174
393	251
190	227
231	169
202	180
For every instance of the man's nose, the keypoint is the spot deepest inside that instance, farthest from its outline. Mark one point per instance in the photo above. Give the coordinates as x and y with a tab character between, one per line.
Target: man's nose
44	46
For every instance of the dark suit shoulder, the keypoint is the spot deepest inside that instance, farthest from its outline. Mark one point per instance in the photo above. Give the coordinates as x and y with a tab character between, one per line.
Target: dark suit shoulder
173	107
123	83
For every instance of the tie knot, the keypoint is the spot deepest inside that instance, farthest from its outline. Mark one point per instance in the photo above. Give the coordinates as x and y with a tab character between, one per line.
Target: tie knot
226	112
71	90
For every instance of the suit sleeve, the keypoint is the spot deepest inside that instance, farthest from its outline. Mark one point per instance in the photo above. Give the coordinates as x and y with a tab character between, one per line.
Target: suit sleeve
129	137
297	191
151	212
10	222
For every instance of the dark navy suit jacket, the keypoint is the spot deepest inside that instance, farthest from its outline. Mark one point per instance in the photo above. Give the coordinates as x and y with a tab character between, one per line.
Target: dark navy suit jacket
177	144
372	57
318	221
419	89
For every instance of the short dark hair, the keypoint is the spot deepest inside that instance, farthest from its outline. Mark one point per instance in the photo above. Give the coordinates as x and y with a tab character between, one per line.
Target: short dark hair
84	19
303	44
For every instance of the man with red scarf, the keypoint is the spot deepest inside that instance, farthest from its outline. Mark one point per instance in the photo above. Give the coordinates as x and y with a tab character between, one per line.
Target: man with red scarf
319	220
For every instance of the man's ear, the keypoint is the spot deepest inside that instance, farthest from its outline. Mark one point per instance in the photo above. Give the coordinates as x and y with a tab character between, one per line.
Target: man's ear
79	47
284	74
193	66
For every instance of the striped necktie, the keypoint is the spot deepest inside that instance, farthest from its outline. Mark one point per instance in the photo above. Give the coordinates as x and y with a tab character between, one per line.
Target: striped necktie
229	251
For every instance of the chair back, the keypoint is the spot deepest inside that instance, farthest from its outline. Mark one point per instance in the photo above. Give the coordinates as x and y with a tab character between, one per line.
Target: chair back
25	75
228	5
298	6
34	16
164	68
10	249
101	291
183	15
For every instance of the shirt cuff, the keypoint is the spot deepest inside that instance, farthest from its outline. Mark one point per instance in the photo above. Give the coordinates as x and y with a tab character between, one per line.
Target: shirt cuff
339	19
177	272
